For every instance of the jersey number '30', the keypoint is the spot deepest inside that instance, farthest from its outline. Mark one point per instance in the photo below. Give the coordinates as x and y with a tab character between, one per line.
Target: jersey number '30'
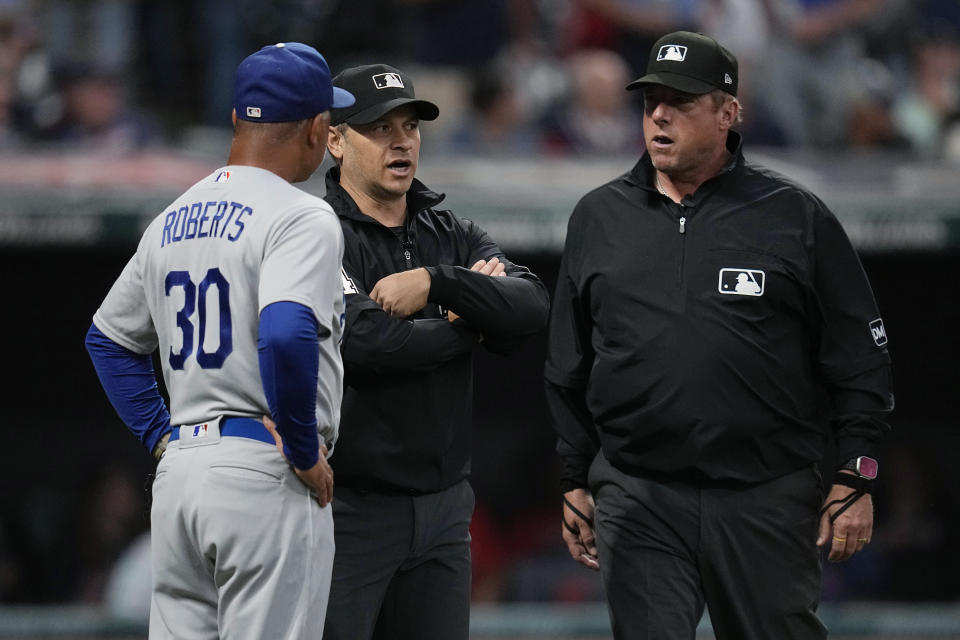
205	360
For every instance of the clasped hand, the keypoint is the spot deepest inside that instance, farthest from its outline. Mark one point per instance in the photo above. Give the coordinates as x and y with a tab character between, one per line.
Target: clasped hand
403	294
319	477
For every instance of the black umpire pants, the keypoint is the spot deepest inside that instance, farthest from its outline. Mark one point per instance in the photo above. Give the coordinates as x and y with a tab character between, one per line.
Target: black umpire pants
748	553
402	566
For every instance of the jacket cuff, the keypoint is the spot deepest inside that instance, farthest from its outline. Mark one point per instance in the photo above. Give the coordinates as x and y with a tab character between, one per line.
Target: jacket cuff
570	484
444	287
574	472
853	447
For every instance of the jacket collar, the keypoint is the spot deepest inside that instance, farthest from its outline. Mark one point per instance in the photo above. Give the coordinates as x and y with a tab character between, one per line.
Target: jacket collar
642	174
419	198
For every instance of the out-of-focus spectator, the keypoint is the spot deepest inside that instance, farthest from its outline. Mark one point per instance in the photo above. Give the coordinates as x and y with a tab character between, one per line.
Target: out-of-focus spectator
813	80
922	110
744	24
129	584
439	30
599	115
496	123
628	27
951	140
489	556
16	43
9	63
98	115
100	30
115	515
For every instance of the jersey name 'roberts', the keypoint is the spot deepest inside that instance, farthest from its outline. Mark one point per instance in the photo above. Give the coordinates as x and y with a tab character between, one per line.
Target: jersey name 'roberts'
210	219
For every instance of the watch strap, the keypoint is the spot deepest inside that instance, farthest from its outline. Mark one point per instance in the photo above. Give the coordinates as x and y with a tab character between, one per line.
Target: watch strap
863	466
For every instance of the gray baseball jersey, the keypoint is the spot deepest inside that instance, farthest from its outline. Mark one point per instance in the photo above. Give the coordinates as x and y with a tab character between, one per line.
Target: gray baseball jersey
237	241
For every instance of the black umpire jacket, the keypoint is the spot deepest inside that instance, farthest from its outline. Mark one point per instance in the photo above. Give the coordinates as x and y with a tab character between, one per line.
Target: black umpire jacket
719	338
407	406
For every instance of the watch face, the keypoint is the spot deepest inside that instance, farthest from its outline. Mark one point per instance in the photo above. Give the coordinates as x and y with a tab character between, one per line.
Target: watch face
867	467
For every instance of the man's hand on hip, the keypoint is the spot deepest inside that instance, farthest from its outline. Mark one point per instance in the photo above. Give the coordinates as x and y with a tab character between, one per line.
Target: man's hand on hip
319	477
402	294
577	528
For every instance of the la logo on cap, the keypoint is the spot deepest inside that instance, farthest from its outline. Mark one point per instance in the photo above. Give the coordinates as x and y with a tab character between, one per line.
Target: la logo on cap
675	52
387	81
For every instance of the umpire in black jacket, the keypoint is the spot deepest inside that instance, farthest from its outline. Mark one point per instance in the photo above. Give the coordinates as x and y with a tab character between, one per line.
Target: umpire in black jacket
712	330
423	289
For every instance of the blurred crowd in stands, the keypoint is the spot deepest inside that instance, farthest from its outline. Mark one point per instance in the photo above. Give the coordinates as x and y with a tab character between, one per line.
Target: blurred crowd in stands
512	77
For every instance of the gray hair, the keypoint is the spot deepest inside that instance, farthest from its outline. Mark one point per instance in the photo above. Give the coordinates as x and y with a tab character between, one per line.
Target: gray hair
721	97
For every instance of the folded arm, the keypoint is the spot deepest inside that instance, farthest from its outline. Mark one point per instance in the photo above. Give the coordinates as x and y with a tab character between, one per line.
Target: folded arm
507	307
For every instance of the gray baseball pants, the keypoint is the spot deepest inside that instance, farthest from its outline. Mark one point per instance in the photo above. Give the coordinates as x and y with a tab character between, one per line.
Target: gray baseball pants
239	547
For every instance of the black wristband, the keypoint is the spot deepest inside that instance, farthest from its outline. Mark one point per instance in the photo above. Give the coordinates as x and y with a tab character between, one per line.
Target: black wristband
863	485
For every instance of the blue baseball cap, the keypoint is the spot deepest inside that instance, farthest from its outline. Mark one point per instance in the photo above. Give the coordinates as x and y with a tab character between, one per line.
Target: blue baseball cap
285	82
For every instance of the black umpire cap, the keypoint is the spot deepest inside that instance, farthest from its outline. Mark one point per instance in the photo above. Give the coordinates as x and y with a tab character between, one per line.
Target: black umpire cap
379	89
689	62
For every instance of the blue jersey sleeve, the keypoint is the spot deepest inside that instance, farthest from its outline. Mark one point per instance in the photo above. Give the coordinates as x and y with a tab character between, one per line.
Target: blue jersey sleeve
130	383
288	345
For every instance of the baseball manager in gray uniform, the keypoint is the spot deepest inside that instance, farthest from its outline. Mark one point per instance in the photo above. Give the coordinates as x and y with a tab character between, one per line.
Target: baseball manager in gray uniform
238	284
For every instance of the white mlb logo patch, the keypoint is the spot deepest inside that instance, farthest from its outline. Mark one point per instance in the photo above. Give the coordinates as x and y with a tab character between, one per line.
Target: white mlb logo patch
675	52
387	81
253	112
741	282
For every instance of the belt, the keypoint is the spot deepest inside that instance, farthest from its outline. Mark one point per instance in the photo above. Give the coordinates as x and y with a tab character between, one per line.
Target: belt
238	428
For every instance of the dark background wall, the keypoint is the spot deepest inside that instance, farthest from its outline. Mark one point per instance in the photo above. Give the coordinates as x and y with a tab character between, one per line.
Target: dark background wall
65	457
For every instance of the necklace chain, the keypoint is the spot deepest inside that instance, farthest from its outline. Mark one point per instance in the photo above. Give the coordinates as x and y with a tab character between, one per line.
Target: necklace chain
656	179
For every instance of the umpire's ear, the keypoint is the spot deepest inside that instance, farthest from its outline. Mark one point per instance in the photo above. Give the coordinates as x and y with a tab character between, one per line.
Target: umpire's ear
729	113
335	142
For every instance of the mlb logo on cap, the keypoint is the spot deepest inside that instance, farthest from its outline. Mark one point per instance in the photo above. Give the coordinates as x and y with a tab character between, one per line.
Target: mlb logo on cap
379	89
253	112
689	62
387	81
675	52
